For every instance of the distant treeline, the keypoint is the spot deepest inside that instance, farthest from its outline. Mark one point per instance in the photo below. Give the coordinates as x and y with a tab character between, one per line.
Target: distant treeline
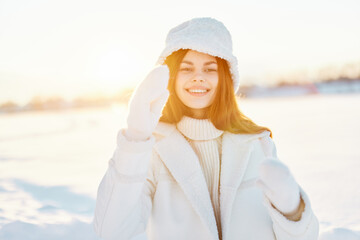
283	88
40	103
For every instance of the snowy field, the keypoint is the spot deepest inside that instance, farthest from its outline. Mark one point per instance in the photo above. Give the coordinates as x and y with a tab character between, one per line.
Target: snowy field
51	163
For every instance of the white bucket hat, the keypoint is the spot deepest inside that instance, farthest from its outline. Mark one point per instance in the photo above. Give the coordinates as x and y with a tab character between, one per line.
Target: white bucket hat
206	35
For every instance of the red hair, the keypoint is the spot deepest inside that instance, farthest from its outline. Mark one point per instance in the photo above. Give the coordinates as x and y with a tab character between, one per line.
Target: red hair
223	112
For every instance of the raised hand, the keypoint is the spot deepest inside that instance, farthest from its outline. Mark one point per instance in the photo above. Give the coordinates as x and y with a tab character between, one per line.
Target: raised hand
146	104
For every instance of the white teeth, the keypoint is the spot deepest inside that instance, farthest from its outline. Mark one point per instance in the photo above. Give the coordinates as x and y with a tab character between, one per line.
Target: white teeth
197	90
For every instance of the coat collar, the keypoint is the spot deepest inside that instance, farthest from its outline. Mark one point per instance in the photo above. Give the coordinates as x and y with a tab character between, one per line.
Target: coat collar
183	164
236	151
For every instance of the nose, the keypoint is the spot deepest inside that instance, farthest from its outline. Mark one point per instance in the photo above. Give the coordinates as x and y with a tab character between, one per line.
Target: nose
198	77
198	80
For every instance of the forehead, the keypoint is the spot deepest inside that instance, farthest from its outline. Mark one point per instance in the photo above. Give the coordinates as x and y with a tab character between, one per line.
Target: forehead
193	55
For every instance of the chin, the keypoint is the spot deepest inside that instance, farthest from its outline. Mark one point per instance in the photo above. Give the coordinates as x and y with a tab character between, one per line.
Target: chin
198	106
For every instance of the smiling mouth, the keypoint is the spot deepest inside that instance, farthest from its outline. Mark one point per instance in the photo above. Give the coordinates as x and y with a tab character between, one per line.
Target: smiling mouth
197	92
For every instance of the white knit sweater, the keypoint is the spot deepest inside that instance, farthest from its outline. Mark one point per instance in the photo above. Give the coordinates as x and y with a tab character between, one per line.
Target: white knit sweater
206	140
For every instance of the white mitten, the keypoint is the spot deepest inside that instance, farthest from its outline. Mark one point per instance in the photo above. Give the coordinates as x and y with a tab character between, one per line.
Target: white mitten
146	104
279	185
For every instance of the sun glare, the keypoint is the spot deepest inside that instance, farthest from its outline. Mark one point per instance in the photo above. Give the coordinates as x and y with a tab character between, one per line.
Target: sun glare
115	68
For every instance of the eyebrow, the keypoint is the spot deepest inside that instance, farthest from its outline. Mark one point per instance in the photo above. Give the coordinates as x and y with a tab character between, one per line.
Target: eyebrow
207	63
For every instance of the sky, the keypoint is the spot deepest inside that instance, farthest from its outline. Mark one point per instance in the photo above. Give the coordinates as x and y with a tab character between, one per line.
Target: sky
77	47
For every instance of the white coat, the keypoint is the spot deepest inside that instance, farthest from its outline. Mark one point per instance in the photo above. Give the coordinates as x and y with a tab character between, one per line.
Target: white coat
156	190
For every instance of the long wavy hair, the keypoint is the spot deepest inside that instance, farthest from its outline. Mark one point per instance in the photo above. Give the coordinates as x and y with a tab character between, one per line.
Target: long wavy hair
224	112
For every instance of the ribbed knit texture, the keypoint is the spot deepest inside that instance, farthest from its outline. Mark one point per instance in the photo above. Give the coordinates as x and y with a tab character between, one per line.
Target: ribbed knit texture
206	140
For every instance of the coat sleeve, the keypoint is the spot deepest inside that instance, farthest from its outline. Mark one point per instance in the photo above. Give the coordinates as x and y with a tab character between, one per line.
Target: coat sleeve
307	228
124	196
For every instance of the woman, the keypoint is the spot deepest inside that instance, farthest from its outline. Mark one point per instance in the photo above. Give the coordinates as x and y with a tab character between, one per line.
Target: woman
190	165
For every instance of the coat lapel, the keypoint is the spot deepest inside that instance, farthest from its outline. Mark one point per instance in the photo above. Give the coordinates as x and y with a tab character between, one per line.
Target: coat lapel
183	163
236	151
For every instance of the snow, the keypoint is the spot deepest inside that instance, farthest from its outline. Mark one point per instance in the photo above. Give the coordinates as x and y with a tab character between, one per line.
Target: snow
52	163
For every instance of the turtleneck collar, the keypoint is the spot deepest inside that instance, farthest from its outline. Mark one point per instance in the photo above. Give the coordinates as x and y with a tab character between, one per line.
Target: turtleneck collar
198	129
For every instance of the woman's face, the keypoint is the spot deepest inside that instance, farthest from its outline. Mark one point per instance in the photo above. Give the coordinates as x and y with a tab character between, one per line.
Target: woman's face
197	80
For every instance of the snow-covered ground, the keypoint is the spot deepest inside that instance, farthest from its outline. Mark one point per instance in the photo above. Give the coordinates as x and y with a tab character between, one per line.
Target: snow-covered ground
52	162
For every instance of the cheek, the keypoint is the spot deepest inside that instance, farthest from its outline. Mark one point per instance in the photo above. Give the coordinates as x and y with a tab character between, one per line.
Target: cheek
215	83
179	85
